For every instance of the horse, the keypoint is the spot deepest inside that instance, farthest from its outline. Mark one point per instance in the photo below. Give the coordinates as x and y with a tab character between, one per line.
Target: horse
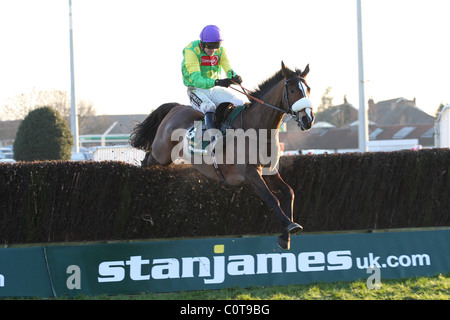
286	92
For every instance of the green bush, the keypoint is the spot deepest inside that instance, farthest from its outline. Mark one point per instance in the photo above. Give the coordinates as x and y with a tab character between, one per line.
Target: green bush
43	135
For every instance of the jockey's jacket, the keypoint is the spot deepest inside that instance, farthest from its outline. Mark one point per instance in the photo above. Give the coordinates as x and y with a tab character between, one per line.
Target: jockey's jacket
200	70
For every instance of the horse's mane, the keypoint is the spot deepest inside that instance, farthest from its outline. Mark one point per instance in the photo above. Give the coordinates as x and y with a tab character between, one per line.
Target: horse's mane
266	85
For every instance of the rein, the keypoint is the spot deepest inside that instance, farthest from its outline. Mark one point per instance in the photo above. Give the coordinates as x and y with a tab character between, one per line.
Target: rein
244	91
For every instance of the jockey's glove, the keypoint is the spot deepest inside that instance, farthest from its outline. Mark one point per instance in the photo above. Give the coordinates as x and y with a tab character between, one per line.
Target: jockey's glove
237	79
223	82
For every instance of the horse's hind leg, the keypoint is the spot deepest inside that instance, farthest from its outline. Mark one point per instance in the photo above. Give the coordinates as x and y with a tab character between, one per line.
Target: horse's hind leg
148	160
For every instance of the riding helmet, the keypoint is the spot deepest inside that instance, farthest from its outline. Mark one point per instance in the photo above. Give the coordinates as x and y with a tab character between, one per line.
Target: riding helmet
211	33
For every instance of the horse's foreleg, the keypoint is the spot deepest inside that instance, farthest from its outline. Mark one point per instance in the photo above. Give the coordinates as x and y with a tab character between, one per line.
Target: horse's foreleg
286	197
254	177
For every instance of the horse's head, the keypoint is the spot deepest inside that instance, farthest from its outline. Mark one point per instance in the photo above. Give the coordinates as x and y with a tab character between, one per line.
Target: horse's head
296	96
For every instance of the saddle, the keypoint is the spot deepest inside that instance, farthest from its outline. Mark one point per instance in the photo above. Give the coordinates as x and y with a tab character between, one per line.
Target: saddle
223	118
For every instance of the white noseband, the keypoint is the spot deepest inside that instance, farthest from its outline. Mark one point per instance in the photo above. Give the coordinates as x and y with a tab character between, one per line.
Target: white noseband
302	104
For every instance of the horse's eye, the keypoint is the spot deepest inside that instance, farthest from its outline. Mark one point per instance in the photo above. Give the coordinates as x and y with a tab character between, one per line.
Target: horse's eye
291	91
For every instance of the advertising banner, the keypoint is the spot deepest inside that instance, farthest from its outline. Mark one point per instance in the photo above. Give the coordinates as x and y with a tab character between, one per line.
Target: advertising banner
202	264
23	273
179	265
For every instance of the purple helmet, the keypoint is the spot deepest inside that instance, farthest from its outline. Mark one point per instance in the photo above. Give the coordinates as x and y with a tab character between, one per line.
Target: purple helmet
211	33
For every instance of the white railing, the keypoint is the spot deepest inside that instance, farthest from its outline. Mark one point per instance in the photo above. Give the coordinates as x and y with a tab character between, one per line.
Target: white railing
442	128
126	154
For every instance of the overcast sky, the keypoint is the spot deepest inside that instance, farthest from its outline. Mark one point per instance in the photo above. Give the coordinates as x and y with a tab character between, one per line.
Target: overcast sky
128	53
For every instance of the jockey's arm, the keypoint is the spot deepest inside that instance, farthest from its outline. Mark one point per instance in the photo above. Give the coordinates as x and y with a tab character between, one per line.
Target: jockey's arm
225	64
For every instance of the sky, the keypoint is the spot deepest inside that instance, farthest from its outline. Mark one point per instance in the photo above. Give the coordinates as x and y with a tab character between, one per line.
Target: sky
128	53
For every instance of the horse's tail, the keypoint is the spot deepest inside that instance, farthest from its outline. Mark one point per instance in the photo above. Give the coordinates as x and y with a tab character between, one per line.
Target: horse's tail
144	133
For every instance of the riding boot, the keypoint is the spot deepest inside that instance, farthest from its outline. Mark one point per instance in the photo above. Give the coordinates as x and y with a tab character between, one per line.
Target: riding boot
209	123
209	120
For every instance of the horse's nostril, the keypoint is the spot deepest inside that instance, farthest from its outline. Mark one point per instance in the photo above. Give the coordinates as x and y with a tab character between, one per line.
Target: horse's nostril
305	120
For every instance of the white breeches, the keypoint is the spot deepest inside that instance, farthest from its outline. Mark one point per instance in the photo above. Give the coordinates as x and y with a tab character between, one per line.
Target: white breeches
206	100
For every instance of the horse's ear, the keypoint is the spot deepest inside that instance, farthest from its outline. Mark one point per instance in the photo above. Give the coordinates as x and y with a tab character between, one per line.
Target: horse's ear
284	70
305	72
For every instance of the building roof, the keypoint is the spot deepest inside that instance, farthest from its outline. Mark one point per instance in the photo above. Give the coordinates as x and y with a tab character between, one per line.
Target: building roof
388	120
347	138
339	115
99	124
92	125
397	111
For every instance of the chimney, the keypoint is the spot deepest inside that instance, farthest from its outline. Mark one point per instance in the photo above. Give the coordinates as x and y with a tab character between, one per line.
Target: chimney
371	111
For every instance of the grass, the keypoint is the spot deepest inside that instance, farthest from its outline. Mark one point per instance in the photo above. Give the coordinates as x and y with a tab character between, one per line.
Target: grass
419	288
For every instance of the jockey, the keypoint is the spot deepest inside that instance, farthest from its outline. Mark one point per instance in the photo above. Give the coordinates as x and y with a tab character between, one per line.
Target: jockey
203	62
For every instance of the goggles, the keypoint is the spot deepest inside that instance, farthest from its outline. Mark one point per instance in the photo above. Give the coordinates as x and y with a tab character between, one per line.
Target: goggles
212	45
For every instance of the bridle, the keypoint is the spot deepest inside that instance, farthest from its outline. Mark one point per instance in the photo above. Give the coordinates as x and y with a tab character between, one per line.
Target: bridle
286	96
286	92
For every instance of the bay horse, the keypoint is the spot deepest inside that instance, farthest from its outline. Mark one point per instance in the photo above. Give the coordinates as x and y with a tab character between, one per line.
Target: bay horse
286	92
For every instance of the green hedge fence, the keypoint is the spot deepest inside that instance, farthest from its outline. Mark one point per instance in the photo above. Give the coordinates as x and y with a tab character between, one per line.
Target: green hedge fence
57	201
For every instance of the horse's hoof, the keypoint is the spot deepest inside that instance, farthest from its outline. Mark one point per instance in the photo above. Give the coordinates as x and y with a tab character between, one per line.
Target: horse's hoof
294	228
283	244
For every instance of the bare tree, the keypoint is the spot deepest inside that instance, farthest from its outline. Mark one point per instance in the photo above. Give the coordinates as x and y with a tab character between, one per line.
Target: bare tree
19	106
326	100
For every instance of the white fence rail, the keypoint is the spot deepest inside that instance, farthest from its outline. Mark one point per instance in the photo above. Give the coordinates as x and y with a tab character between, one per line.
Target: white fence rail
126	154
442	128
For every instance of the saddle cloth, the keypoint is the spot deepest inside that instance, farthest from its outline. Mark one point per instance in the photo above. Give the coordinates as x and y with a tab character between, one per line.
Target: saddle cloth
223	118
